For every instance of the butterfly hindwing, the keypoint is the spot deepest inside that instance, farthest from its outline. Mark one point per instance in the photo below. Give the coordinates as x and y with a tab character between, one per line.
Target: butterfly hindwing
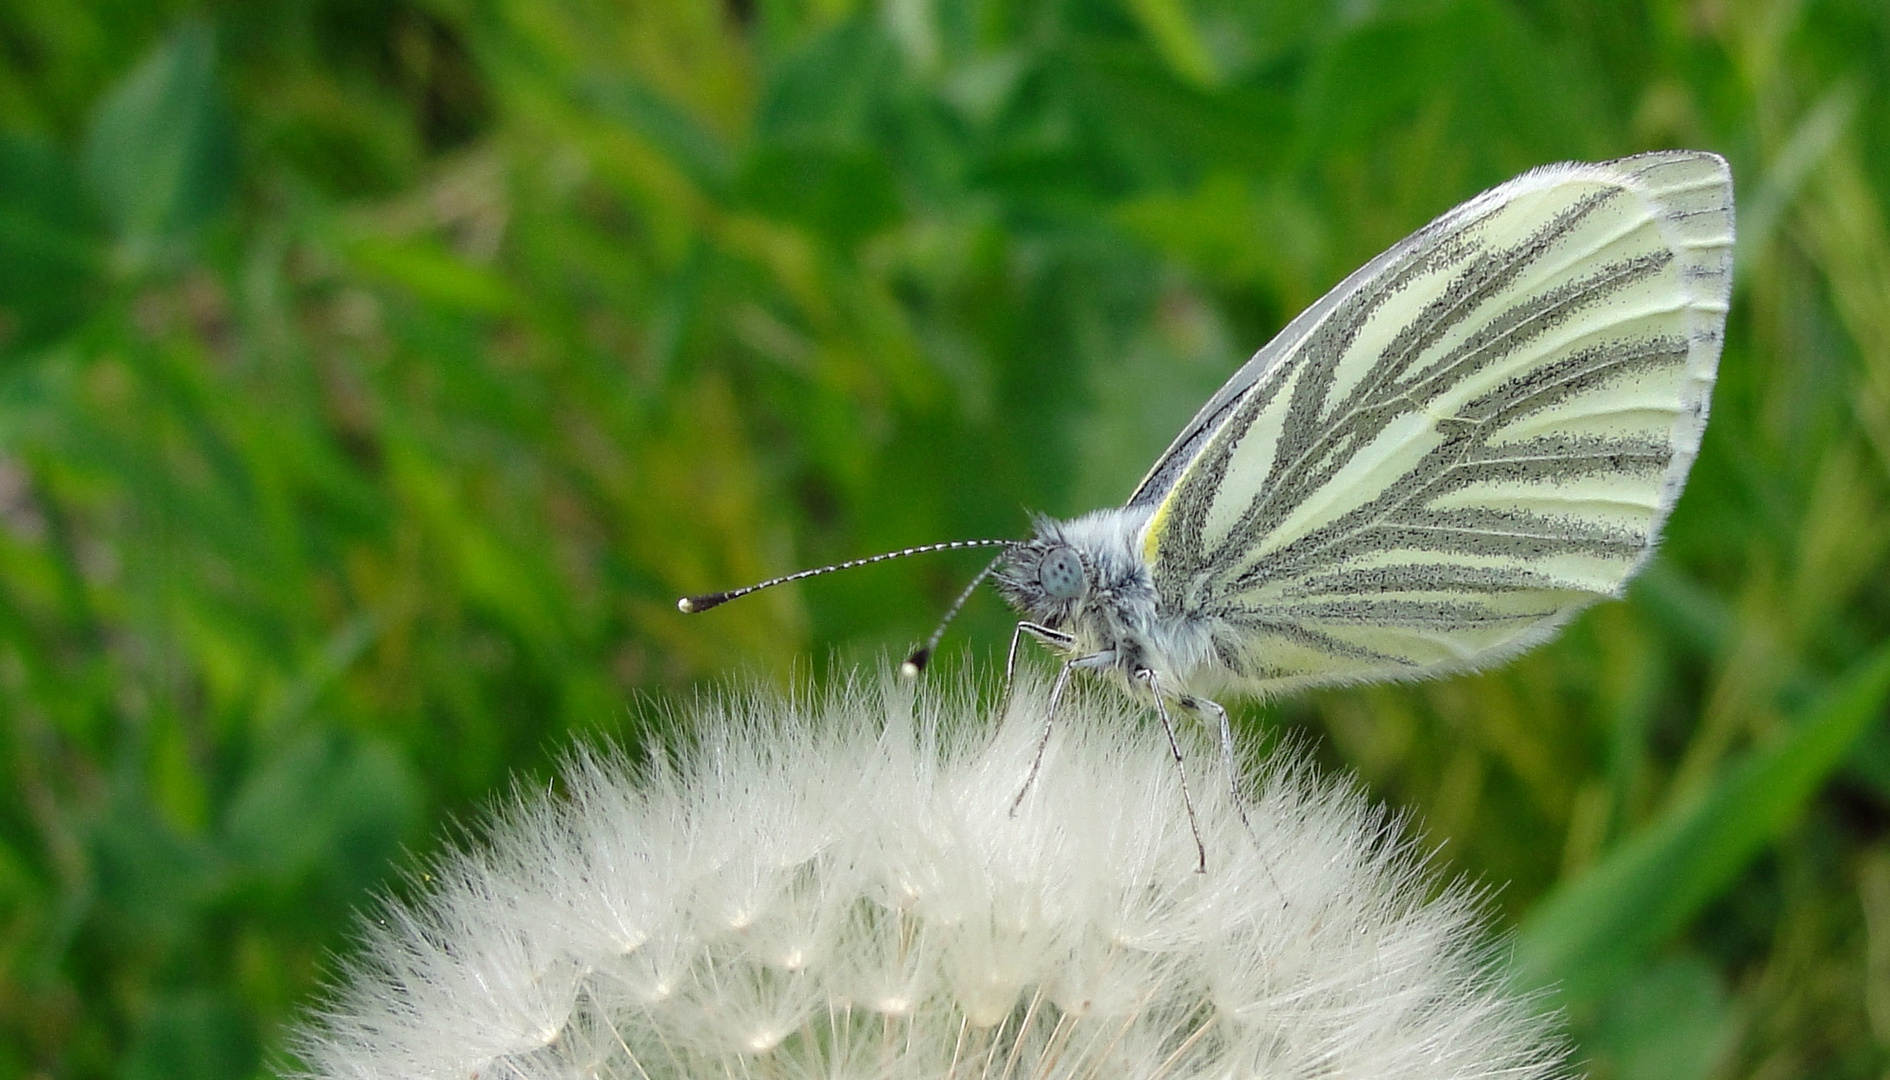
1463	444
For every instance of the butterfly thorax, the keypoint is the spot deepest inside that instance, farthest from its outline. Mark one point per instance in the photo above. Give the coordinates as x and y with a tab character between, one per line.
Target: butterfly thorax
1087	578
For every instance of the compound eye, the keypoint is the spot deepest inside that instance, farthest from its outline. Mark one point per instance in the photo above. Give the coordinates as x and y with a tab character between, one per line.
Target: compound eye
1061	574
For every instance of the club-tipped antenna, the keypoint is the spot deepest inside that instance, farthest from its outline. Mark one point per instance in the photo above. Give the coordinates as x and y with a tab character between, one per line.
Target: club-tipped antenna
689	605
923	654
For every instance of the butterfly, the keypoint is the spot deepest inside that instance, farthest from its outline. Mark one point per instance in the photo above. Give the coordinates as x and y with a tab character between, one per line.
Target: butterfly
1473	437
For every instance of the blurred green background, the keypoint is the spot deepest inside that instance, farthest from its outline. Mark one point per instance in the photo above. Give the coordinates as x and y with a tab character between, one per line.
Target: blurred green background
373	377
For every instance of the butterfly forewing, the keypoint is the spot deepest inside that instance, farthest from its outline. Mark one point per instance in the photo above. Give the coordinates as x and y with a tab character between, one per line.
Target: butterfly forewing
1465	442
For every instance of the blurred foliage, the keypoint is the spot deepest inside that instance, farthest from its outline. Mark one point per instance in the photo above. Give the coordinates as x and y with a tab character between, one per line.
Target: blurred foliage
374	375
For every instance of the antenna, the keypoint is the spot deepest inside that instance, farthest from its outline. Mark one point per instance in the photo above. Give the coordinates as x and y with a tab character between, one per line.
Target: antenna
920	656
689	605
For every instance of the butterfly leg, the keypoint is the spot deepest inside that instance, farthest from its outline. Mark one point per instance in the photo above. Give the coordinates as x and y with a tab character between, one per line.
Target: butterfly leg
1147	678
1201	706
1207	707
1056	639
1050	711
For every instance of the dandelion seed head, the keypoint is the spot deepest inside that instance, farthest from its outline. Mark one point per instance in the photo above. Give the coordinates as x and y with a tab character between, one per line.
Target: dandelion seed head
841	888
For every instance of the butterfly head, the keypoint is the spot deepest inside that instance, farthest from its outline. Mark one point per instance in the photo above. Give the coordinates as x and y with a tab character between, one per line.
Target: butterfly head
1045	578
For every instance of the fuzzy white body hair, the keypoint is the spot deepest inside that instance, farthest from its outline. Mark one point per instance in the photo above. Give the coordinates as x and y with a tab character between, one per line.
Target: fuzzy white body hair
1120	614
842	888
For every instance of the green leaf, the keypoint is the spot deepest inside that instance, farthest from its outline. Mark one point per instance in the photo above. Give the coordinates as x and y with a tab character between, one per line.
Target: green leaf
324	804
161	152
1171	29
50	259
1672	1022
433	274
1593	930
197	1034
695	149
835	89
840	193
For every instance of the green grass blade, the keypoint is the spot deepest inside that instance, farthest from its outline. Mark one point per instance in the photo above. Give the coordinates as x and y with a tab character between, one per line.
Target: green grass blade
1172	30
1593	930
161	152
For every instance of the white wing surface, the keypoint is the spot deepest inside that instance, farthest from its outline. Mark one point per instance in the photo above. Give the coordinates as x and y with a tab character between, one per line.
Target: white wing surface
1464	443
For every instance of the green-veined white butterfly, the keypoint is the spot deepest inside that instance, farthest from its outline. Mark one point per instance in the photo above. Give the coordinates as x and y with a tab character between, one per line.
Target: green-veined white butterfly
1467	441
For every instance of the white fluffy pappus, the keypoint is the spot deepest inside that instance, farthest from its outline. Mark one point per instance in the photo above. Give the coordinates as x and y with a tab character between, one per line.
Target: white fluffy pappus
839	889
